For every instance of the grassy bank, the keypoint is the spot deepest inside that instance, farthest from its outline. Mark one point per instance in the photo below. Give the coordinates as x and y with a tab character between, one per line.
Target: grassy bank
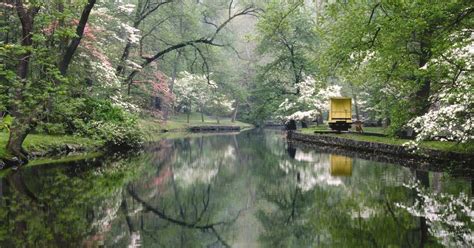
437	145
43	142
325	127
151	128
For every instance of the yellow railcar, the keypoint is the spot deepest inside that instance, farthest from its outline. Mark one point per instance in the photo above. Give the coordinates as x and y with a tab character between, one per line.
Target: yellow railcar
340	113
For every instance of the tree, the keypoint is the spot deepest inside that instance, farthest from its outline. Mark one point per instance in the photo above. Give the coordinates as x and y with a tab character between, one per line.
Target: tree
193	90
310	103
286	38
34	71
386	45
219	105
208	39
450	116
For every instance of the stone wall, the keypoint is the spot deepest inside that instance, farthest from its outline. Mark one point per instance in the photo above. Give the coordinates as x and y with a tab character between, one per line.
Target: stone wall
374	147
213	128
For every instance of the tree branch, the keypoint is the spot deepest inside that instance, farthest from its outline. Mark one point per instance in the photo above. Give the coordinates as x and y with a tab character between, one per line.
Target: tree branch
205	64
72	47
250	10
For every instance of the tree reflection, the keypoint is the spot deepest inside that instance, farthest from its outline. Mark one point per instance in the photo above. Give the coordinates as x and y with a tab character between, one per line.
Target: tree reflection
252	189
183	203
446	218
49	208
358	211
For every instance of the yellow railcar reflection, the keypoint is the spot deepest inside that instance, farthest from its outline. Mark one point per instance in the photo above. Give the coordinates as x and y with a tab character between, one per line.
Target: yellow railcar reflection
341	165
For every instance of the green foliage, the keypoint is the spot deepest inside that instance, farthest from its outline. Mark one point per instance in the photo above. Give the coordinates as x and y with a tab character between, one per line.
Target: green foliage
51	128
119	136
288	39
5	123
104	110
385	48
101	119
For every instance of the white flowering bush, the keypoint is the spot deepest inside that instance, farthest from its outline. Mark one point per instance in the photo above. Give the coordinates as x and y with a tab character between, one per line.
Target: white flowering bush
310	102
220	104
450	218
451	116
126	8
192	89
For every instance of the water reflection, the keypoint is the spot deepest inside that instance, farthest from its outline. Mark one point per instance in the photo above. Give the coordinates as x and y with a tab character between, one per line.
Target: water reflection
341	165
246	190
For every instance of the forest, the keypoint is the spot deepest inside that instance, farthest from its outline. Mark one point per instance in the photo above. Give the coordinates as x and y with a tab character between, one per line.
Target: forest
248	123
94	69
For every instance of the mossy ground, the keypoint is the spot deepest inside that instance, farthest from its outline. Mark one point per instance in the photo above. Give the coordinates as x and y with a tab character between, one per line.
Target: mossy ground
437	145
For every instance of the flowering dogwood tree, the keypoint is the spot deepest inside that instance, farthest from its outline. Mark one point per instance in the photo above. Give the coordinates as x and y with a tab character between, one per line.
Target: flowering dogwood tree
450	116
193	90
93	50
220	104
310	102
157	87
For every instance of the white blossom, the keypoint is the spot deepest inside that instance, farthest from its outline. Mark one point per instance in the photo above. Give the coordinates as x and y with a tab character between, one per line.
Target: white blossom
451	116
133	34
450	218
127	8
310	102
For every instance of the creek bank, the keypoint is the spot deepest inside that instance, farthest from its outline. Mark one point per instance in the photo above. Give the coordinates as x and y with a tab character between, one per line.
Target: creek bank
51	152
213	128
48	150
422	156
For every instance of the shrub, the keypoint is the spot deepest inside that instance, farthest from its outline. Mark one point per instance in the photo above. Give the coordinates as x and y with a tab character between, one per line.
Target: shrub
118	130
5	123
51	128
119	136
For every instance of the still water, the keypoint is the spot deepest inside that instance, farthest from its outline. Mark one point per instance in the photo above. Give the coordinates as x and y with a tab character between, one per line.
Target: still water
251	189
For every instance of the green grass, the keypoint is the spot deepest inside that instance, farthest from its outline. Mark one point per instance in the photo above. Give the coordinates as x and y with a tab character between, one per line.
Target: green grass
41	142
325	127
437	145
152	128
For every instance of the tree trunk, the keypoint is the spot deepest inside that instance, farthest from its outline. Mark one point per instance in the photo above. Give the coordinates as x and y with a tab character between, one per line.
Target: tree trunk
20	127
356	105
202	115
290	125
126	51
218	121
234	113
304	124
18	133
169	106
189	113
71	49
423	94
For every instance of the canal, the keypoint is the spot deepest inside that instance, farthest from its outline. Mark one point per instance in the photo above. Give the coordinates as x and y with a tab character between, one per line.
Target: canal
251	189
